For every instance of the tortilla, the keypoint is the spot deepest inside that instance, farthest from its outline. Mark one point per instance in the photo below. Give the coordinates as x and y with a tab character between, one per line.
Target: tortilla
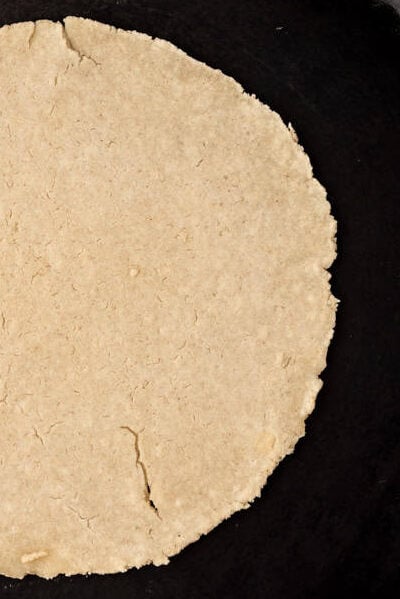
165	304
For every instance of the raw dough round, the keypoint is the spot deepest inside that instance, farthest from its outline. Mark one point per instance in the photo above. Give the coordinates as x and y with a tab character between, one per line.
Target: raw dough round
165	308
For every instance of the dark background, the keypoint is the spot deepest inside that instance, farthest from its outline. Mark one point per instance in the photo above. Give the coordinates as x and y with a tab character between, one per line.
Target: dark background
328	523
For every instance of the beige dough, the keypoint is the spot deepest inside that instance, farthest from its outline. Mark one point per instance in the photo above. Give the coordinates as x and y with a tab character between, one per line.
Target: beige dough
165	308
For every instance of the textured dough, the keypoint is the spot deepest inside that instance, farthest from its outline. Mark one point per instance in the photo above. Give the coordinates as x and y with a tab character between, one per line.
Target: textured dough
165	304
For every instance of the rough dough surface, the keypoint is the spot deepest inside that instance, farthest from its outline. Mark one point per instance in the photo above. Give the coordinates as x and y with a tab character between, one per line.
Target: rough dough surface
165	304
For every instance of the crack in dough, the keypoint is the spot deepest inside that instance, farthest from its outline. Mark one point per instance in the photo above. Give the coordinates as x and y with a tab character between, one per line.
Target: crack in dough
140	464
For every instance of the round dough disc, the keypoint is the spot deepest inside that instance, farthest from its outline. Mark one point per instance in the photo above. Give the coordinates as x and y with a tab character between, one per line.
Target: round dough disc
165	304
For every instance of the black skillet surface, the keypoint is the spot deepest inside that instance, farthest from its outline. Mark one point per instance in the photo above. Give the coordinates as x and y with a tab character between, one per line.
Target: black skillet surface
328	523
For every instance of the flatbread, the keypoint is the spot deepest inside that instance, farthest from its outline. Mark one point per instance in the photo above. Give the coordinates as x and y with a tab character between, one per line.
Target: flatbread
165	304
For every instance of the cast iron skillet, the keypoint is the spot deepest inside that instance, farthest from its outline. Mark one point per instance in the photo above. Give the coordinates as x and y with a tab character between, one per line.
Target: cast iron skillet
328	522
